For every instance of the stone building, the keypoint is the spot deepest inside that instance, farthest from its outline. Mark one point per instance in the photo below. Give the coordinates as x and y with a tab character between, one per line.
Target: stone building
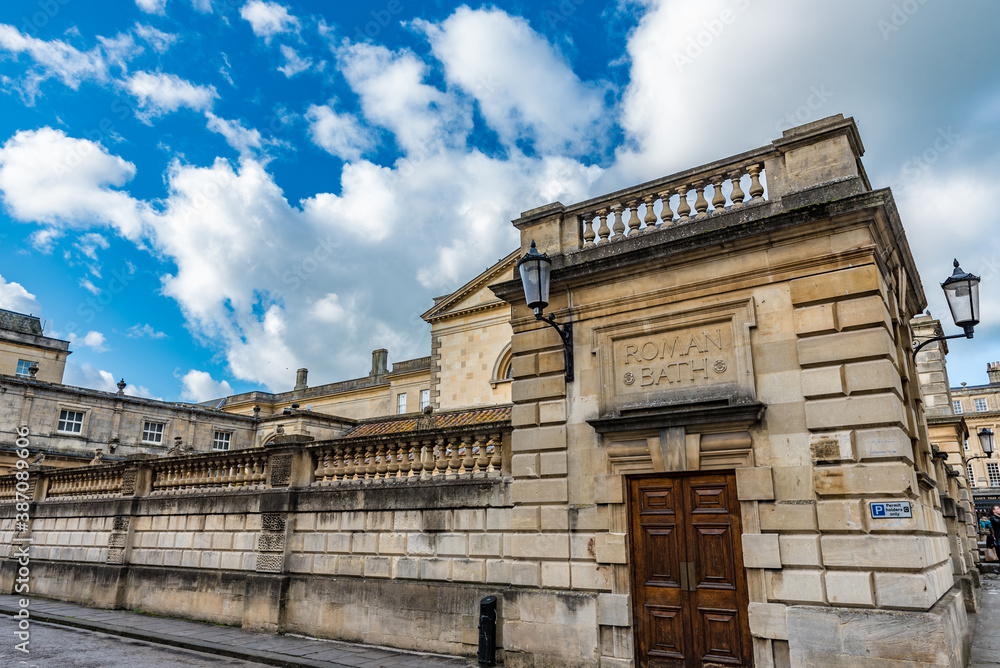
23	344
739	473
980	406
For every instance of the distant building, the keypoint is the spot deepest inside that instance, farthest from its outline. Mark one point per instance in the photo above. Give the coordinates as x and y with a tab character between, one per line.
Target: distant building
980	406
22	344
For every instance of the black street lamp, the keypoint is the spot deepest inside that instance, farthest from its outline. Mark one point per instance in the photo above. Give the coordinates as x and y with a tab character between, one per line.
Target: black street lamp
535	269
986	442
962	292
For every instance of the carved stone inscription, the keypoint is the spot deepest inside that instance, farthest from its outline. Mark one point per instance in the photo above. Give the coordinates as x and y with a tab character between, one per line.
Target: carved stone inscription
675	359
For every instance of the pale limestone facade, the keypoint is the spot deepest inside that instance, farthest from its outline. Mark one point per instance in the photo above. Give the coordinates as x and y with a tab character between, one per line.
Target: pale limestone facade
761	335
23	343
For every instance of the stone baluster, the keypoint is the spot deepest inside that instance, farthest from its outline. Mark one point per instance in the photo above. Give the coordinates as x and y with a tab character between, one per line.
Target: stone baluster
371	467
700	203
737	195
496	460
619	226
394	464
340	468
603	232
440	457
683	206
468	461
381	465
650	218
588	229
319	473
756	189
352	462
482	458
666	213
413	461
428	458
633	219
718	199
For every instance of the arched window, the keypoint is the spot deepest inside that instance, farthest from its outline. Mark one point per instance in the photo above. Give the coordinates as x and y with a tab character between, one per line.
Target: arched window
502	367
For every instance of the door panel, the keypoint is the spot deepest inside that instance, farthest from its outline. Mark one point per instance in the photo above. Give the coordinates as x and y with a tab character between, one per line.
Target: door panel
687	576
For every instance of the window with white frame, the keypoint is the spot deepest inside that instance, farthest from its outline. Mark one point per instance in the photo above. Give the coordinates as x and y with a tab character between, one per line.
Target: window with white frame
401	404
972	477
70	422
425	399
22	368
993	473
152	432
980	405
957	405
222	440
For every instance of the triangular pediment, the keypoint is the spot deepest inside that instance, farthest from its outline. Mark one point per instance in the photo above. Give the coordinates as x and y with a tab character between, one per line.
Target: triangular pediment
475	294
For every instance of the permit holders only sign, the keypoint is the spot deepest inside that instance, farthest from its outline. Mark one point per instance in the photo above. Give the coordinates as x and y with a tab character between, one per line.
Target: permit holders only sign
890	510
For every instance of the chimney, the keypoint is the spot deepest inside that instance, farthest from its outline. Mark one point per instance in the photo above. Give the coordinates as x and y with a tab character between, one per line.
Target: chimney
993	371
380	364
300	379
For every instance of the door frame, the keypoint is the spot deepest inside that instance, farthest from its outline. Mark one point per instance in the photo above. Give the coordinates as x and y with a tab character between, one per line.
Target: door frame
739	569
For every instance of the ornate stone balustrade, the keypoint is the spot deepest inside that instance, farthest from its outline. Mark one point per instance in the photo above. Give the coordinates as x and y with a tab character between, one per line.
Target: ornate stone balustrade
86	483
669	202
470	455
237	470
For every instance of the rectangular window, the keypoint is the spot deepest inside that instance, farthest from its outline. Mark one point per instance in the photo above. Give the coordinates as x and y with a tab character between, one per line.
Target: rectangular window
222	440
22	368
70	422
993	472
972	477
966	444
957	405
425	399
401	404
152	432
981	405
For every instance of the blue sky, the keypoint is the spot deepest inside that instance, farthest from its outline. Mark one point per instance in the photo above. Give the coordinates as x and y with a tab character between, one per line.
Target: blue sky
205	195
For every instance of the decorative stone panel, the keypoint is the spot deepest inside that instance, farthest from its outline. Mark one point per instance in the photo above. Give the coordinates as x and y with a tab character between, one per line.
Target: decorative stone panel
120	524
269	563
281	470
271	542
272	522
116	555
116	540
128	482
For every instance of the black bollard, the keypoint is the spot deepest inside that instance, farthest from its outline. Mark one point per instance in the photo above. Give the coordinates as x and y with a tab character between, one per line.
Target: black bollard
488	631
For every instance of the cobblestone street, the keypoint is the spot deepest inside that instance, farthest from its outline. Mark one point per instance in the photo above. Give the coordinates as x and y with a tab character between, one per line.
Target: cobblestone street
986	625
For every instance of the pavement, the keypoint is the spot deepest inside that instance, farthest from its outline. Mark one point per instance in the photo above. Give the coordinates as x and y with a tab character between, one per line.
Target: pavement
986	625
288	650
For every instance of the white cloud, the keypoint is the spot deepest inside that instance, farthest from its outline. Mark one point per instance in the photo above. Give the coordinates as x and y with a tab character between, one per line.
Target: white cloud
203	6
160	93
13	297
268	19
294	63
89	286
50	178
144	331
88	244
393	95
341	135
237	136
54	58
152	6
159	40
88	376
524	87
92	339
199	386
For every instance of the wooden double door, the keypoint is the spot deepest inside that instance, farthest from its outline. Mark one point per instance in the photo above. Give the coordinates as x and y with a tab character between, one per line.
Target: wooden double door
688	582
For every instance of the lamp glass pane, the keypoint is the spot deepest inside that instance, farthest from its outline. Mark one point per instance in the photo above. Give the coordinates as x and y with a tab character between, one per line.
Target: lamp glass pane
535	279
963	300
986	440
